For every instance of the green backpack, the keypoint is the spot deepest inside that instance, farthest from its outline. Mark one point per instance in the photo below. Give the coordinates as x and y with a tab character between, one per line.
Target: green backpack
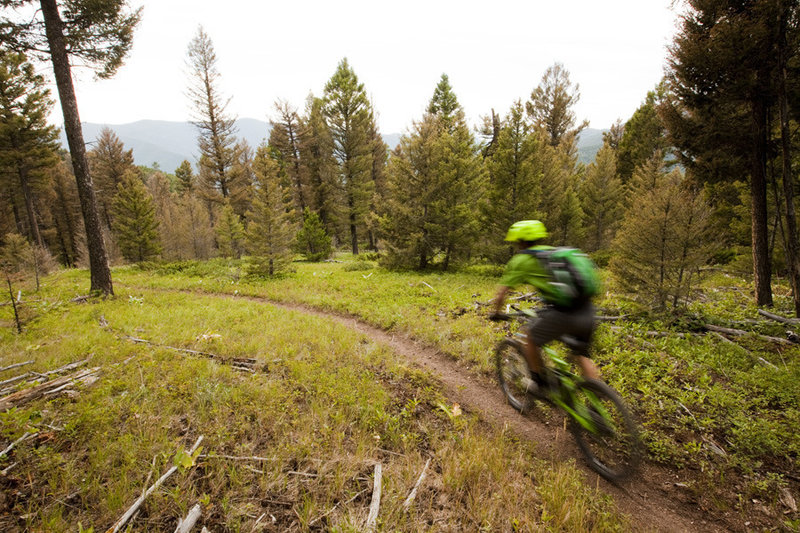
573	275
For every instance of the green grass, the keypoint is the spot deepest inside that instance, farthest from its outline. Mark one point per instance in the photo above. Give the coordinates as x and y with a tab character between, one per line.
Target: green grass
708	407
324	406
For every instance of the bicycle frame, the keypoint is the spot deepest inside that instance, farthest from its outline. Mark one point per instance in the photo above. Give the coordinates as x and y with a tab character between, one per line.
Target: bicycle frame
564	396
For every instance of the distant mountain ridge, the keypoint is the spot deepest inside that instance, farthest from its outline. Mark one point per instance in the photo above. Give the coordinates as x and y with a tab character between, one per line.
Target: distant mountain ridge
165	144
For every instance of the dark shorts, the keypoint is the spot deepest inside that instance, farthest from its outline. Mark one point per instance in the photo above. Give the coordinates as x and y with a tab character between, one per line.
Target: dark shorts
553	323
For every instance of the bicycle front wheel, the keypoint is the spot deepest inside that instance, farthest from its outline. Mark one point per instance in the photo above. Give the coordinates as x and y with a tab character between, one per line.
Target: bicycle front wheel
605	430
513	373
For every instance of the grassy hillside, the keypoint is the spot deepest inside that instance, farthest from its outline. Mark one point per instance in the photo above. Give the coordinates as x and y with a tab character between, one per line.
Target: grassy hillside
294	412
722	412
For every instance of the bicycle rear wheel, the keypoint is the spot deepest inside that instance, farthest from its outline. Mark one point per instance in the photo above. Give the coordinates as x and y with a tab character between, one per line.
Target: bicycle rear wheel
610	443
513	374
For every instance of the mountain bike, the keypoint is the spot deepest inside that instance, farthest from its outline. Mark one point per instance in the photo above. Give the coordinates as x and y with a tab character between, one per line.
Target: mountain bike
602	425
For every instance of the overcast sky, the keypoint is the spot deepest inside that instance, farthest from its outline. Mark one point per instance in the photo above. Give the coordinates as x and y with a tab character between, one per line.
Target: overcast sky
493	51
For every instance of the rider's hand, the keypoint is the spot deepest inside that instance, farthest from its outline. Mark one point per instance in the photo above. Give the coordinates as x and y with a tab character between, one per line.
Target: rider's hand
498	317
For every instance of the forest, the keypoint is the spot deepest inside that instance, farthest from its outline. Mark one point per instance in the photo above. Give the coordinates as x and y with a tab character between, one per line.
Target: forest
688	210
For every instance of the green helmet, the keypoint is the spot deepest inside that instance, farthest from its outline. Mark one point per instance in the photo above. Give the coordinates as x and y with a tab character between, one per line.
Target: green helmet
526	230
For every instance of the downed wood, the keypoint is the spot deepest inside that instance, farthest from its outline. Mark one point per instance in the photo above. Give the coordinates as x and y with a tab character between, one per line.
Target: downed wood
237	361
38	391
15	379
16	365
375	505
65	368
236	457
741	332
413	493
140	500
778	318
186	525
603	318
19	440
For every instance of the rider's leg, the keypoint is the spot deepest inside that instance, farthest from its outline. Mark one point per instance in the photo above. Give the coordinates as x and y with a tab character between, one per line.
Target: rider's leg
588	368
533	355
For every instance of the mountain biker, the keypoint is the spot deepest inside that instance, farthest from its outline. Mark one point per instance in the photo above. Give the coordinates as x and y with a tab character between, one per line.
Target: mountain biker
555	320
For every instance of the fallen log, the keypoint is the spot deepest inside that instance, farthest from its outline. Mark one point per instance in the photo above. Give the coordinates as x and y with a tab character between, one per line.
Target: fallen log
741	332
375	505
19	440
413	493
38	391
17	365
118	525
778	318
236	361
185	525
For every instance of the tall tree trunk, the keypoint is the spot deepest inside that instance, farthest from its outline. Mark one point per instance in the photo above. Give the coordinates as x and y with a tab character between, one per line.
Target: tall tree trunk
788	179
98	259
762	265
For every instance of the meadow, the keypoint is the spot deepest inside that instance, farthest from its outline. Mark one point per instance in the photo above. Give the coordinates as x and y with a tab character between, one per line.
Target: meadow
296	411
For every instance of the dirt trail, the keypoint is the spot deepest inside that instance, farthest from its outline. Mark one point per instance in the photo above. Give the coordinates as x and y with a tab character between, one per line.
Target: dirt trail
654	500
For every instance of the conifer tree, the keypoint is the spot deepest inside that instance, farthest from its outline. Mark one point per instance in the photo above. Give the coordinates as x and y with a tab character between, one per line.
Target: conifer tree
216	128
270	230
230	233
551	106
166	214
135	223
312	240
109	162
66	214
186	178
193	223
318	164
349	117
643	135
285	139
98	33
27	143
436	188
663	241
407	218
514	188
601	197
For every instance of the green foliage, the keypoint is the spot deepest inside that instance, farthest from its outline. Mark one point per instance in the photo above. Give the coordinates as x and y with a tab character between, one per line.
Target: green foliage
601	196
349	117
663	241
270	230
185	177
135	223
434	193
551	106
514	184
230	233
643	136
312	240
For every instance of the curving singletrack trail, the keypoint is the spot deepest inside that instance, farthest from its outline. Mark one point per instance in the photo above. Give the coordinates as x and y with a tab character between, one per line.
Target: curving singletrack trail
653	499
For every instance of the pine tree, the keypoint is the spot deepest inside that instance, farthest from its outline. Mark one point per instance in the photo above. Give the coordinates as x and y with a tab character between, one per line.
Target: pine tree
349	118
230	233
514	188
27	144
601	197
270	230
98	33
663	242
643	135
193	223
312	240
551	103
407	221
435	188
318	164
109	162
285	139
216	128
185	177
166	214
135	223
